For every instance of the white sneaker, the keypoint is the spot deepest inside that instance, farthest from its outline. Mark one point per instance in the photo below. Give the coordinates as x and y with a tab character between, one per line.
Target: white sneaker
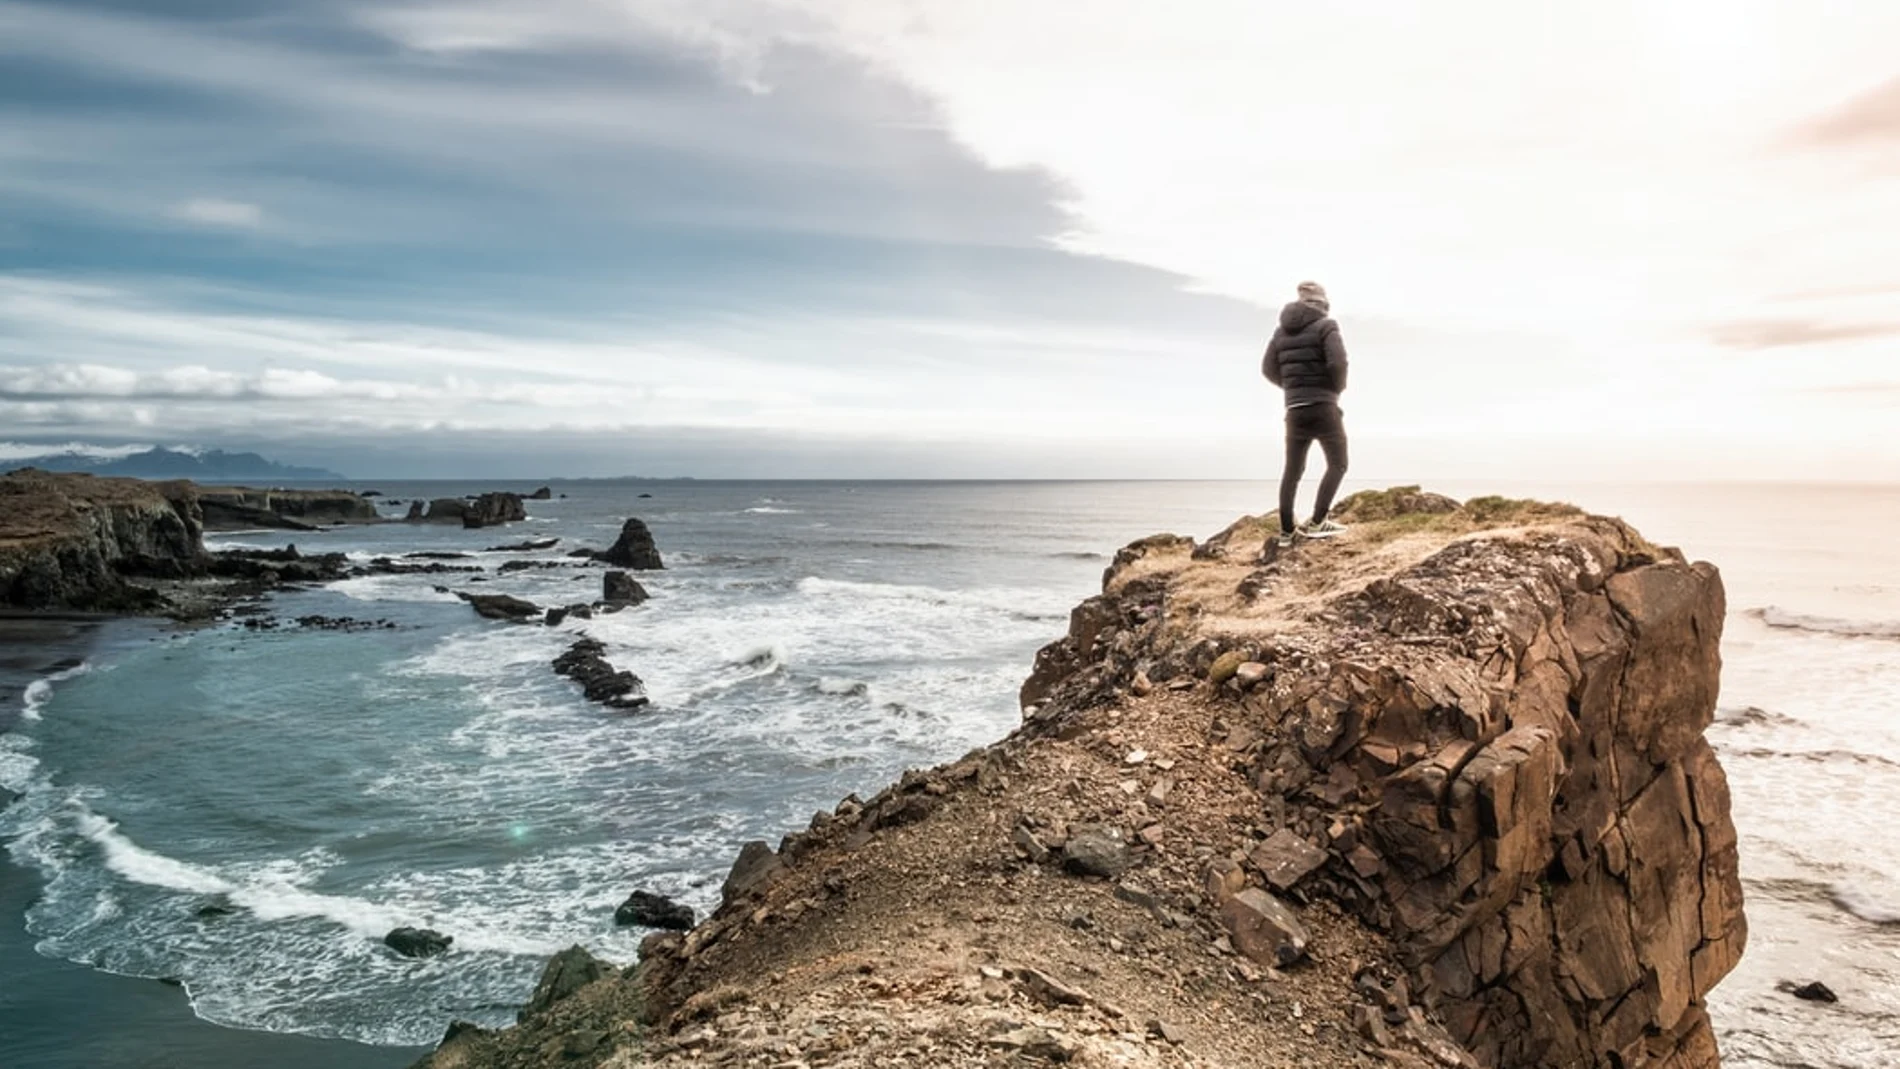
1323	529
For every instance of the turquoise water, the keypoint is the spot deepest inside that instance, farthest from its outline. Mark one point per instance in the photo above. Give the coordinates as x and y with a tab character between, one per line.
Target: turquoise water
319	788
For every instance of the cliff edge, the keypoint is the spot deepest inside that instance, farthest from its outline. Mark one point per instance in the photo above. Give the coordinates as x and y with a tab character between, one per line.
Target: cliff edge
1432	793
68	541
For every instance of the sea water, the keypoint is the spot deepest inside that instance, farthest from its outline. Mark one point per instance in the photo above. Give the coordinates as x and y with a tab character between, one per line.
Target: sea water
248	813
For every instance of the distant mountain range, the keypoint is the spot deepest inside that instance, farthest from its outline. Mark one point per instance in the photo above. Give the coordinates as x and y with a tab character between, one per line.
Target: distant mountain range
212	465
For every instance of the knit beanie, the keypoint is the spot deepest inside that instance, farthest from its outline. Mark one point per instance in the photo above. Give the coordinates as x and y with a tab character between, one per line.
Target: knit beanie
1312	293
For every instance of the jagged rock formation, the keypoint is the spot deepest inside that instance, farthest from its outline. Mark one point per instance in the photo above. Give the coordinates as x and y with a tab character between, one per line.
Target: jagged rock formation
1497	754
228	508
68	541
633	549
1434	793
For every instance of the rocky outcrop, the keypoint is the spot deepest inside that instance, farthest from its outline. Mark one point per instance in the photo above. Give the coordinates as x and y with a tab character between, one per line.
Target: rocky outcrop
1498	752
230	508
71	541
1432	793
634	549
487	510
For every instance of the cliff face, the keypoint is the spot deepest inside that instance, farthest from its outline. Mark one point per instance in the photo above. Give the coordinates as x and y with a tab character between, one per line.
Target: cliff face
1432	793
67	541
1499	748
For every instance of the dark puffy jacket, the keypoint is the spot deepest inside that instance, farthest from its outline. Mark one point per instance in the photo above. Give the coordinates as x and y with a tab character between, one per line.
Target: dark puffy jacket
1306	358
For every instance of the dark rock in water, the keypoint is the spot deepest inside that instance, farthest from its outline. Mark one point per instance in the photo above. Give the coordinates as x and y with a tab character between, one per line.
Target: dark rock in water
1812	991
649	910
217	907
417	942
1095	850
278	565
487	510
371	493
579	611
564	974
492	510
436	555
756	866
619	588
590	554
633	549
531	545
529	565
500	606
585	664
541	495
343	623
385	566
418	510
642	495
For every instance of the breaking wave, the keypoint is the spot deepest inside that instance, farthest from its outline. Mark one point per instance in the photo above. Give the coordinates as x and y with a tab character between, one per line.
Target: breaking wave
1826	625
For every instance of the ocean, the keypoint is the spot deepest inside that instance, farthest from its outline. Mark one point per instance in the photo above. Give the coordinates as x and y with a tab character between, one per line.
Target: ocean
246	813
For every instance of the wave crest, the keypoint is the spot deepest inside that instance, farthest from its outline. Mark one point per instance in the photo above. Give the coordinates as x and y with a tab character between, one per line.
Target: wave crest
1775	616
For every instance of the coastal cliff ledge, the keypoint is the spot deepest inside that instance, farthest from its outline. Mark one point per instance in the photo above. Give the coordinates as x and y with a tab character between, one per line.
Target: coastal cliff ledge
1434	793
68	541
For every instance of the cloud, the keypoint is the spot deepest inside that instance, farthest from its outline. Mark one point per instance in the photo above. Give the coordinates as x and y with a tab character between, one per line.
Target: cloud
214	212
1872	117
1780	333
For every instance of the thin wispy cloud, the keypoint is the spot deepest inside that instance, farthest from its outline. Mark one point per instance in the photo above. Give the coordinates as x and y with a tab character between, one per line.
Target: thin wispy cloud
1781	333
1872	117
212	211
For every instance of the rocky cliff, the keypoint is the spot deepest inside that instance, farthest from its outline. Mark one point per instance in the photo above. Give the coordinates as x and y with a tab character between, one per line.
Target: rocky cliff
1434	793
67	541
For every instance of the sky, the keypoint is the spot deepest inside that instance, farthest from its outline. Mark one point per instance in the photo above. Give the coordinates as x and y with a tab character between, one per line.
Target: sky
953	238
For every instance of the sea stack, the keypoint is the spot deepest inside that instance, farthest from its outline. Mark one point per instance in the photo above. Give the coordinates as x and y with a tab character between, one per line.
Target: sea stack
1432	793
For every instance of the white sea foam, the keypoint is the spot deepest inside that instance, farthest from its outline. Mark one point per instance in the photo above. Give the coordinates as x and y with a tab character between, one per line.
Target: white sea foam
1019	603
18	766
768	510
392	588
140	865
40	691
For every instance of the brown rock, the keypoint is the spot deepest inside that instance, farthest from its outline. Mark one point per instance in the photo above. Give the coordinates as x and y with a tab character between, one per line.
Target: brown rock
1285	859
1264	928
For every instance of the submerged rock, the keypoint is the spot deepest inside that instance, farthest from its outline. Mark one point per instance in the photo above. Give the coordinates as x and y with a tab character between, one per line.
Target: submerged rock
585	663
417	942
1813	991
501	606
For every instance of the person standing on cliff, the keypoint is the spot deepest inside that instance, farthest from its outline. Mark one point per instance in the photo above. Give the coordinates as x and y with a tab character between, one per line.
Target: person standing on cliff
1307	360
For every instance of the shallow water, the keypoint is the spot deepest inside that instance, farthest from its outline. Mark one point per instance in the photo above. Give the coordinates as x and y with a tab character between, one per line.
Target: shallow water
806	641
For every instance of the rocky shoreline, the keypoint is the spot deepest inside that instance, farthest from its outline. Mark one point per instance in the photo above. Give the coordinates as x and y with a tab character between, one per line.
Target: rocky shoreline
1435	793
82	543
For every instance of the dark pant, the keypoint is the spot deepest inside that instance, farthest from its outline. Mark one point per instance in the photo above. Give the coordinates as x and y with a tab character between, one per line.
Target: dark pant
1305	425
